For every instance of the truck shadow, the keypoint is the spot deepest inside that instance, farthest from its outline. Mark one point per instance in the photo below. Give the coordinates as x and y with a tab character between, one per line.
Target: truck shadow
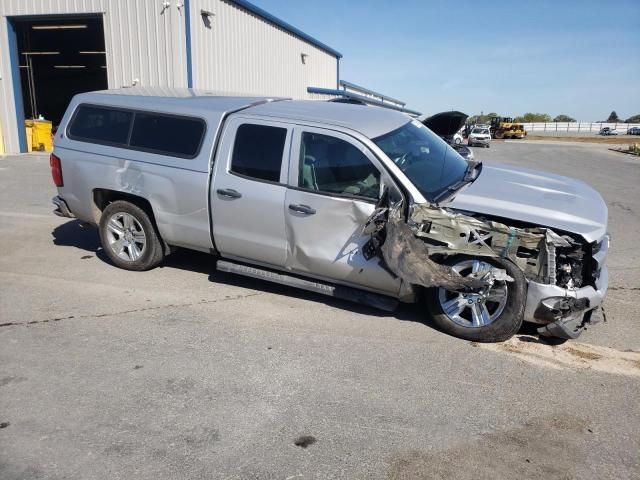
85	237
75	234
204	263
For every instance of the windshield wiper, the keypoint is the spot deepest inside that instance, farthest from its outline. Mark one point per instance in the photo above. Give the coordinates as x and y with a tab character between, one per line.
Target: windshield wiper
470	174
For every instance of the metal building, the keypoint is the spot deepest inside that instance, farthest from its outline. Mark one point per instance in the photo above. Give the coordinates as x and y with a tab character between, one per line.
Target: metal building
53	49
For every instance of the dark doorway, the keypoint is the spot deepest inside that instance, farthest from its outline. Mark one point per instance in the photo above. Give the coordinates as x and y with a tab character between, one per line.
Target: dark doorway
58	58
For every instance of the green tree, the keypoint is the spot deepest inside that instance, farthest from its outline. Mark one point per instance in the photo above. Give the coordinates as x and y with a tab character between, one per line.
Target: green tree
481	118
613	117
535	117
564	118
634	119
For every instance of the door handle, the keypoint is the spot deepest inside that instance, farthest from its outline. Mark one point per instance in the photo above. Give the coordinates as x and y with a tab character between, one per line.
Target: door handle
306	209
229	193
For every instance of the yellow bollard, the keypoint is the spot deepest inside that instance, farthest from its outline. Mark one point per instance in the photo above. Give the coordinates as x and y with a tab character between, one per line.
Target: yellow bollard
2	149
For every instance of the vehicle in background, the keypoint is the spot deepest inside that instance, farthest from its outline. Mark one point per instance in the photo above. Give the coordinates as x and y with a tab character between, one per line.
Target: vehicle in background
448	125
364	204
479	136
505	127
608	131
633	131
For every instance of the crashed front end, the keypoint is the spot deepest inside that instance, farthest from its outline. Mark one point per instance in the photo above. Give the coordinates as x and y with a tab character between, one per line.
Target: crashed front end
567	277
566	305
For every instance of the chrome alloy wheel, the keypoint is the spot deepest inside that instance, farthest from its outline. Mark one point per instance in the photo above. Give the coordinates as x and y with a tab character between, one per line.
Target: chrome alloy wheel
477	308
125	236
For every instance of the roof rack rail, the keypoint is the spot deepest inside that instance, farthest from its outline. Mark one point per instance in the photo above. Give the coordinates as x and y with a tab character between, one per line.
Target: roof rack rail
361	98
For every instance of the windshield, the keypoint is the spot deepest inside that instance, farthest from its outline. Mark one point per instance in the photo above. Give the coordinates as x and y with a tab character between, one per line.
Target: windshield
479	130
431	165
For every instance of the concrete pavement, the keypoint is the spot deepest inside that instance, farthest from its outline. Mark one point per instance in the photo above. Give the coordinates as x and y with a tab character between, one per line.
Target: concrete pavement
183	372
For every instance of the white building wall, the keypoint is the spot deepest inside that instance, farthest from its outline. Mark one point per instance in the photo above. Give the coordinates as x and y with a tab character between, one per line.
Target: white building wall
242	52
145	45
142	42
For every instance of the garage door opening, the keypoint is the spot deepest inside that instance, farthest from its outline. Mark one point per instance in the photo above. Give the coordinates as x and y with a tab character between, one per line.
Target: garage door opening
58	58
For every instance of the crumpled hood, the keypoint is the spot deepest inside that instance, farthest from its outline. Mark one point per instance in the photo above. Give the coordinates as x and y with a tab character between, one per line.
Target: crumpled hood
536	197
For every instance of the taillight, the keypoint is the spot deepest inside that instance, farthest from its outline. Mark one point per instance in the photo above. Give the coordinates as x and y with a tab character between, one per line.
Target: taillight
56	170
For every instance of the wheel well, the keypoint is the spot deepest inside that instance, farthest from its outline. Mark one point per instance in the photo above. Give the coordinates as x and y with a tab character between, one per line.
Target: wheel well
103	197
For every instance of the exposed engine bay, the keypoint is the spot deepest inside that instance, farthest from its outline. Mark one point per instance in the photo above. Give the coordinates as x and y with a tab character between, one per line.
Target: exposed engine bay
414	250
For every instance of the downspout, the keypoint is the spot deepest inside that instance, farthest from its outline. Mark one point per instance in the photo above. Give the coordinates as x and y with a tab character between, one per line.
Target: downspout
16	85
187	35
338	73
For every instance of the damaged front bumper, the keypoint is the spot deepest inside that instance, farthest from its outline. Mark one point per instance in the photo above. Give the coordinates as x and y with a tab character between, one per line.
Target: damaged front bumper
566	313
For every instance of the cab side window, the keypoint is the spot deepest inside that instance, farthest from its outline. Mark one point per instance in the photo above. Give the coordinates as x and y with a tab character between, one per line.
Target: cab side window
257	152
331	165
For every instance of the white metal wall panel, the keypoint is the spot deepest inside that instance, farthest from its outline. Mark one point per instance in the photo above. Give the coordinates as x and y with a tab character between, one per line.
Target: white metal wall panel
145	44
143	41
242	52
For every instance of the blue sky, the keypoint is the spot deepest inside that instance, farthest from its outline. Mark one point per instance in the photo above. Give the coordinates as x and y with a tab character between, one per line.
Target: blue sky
581	58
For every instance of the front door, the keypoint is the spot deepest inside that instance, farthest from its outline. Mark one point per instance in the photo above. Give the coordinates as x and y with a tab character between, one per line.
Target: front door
334	184
248	192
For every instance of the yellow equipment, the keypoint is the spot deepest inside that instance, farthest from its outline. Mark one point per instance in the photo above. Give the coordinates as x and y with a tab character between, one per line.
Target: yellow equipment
1	142
504	127
41	140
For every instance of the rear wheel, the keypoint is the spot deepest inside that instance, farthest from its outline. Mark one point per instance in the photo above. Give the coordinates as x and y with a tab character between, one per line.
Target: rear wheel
493	314
129	237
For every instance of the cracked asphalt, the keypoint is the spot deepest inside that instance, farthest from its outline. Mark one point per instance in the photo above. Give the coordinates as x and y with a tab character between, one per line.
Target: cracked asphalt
184	372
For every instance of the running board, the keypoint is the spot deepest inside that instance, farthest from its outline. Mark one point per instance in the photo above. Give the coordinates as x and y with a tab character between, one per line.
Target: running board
381	302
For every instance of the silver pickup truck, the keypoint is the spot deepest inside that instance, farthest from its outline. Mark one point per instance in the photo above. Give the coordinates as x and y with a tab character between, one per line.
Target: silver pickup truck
358	202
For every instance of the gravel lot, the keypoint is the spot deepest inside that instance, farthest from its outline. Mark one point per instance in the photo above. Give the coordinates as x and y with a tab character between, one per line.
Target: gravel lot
183	372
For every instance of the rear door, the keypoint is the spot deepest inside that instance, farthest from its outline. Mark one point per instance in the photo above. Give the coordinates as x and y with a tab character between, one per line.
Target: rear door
334	185
248	191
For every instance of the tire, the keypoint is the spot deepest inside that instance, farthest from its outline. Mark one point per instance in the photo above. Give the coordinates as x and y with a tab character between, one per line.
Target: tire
457	141
129	237
504	312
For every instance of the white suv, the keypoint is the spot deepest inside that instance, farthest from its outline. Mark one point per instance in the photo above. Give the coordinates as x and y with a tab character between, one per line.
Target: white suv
479	136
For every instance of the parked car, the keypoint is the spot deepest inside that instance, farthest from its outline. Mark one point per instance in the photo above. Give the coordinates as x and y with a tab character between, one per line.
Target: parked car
365	204
479	136
448	125
608	131
633	131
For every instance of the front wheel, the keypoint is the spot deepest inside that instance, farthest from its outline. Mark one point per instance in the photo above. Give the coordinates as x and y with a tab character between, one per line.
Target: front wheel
129	237
493	314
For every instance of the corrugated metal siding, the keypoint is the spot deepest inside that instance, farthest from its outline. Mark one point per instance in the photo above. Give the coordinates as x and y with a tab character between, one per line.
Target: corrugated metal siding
141	43
242	52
